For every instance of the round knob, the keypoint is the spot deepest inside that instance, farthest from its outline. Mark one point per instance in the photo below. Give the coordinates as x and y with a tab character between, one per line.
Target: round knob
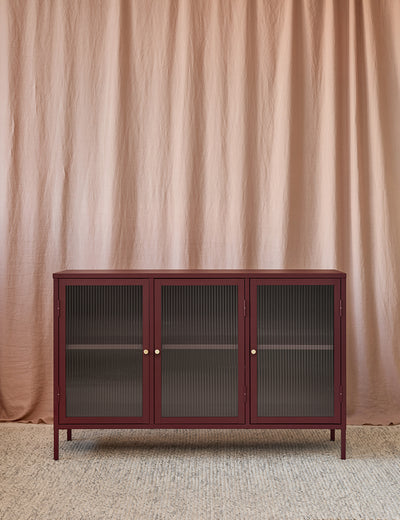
145	351
253	351
156	352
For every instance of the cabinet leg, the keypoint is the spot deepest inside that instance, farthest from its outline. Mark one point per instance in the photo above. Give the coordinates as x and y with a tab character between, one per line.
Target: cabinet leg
69	435
343	444
332	435
55	443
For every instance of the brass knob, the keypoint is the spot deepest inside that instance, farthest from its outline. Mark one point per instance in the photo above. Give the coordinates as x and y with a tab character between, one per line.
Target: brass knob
145	351
156	352
253	351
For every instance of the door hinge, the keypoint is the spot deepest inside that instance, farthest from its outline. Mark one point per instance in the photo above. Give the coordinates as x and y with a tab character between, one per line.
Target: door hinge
244	394
58	307
58	394
341	394
244	307
340	307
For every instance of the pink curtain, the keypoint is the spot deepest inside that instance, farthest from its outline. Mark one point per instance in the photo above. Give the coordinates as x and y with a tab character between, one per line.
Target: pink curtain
200	134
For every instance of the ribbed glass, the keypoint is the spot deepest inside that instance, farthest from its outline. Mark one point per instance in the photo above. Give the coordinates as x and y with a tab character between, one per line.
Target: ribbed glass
104	343
295	339
199	362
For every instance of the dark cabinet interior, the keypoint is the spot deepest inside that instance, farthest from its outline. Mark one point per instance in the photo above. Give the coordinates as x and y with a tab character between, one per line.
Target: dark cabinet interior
200	351
103	350
295	343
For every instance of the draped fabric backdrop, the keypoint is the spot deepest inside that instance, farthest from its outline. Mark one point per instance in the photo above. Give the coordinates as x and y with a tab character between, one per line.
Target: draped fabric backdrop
200	134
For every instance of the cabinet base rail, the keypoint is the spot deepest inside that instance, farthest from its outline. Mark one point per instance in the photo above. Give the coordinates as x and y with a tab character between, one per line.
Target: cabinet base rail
202	426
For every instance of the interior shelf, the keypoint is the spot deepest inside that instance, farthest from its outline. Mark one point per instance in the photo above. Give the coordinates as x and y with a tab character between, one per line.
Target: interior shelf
294	347
103	346
198	346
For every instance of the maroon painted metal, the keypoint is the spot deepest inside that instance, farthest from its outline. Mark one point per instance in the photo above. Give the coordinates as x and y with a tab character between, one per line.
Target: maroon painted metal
198	426
56	394
152	280
200	273
159	419
63	419
343	365
254	283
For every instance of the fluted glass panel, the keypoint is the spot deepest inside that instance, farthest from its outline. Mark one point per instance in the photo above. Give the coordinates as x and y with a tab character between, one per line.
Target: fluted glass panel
103	351
199	363
295	337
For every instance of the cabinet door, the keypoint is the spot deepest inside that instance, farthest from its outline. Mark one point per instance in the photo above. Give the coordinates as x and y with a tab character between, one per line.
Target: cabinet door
199	371
295	351
104	365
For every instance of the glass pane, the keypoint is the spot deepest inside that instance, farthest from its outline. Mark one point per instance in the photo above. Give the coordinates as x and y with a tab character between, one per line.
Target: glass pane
199	363
295	327
103	327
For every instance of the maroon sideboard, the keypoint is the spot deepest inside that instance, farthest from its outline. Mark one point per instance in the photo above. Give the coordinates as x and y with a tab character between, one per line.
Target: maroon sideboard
199	349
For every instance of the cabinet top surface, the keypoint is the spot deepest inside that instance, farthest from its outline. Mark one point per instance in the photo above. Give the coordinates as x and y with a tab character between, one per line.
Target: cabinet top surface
202	273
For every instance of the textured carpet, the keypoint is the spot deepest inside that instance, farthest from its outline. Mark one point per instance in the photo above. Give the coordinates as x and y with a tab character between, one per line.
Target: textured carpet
199	474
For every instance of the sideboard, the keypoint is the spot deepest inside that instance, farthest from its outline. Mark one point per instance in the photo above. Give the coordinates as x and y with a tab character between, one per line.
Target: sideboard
199	349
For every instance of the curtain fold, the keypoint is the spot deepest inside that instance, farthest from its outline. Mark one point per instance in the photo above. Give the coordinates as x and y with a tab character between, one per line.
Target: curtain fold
200	134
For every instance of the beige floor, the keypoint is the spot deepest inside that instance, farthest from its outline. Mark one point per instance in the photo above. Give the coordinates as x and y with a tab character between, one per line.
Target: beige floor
199	474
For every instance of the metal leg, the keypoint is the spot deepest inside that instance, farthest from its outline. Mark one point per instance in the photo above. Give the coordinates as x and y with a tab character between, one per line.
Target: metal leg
55	443
343	444
332	435
69	435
